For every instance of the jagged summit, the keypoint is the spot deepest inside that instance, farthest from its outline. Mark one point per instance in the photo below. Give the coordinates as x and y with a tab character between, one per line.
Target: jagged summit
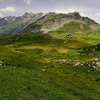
75	15
30	15
13	25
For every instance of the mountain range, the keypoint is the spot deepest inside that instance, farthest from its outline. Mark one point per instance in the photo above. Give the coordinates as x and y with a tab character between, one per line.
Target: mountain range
40	22
12	24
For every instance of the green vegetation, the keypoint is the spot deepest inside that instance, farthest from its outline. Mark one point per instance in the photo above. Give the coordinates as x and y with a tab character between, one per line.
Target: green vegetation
73	28
29	70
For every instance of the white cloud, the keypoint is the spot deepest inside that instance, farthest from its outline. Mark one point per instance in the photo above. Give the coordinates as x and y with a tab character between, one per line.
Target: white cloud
83	14
1	15
1	0
71	10
64	10
8	9
29	1
77	10
60	11
68	10
97	14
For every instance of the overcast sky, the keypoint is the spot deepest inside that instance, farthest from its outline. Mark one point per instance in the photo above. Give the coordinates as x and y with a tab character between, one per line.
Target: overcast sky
90	8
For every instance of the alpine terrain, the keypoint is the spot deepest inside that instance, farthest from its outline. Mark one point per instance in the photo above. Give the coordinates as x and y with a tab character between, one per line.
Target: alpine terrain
52	56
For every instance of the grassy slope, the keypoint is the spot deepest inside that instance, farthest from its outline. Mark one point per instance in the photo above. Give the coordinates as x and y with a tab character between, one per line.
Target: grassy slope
56	83
29	72
70	28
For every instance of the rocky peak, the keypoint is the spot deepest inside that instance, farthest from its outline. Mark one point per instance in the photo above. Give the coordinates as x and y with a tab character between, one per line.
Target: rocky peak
3	22
75	15
50	13
10	19
32	15
28	15
6	20
88	20
39	15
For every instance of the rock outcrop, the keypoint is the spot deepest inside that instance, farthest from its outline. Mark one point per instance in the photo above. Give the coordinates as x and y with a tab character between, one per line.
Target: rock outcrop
93	63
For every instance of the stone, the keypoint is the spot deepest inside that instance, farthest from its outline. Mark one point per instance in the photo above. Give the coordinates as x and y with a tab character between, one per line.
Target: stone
77	64
43	70
98	65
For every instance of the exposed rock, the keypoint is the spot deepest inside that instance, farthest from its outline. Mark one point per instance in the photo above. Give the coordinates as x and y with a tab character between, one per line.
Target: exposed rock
98	65
88	20
69	36
1	63
94	63
43	70
77	64
61	61
35	29
75	15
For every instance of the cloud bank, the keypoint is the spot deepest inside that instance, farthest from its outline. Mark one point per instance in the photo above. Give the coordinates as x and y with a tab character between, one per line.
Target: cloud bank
8	10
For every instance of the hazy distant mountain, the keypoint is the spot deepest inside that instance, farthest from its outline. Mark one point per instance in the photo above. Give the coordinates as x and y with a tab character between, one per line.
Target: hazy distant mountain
32	23
12	24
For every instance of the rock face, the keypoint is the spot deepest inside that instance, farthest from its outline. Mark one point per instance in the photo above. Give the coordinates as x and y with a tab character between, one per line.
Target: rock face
88	20
1	63
75	15
95	63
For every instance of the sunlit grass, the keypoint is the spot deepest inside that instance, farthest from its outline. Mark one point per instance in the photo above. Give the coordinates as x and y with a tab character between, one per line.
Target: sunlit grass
29	70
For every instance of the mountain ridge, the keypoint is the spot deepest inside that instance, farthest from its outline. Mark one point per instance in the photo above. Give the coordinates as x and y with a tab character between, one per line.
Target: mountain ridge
53	21
31	22
17	23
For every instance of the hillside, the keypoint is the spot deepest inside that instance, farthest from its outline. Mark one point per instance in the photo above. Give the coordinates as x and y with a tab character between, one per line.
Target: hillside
41	67
53	57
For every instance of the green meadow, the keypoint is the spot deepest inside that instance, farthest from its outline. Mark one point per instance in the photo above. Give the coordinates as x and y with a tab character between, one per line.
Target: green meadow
30	72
